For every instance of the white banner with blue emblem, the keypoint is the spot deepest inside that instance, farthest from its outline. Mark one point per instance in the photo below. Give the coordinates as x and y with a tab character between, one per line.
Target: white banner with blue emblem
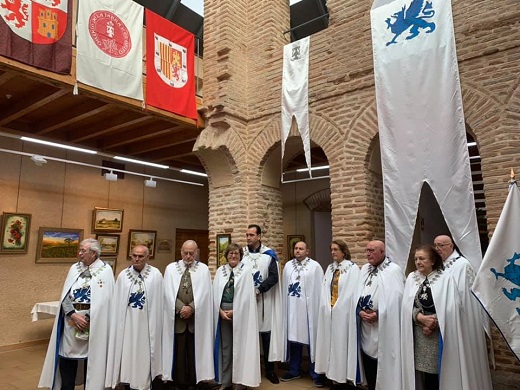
421	122
497	284
295	94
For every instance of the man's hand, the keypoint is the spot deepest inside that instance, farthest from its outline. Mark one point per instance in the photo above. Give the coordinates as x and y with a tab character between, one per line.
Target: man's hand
186	312
80	321
369	316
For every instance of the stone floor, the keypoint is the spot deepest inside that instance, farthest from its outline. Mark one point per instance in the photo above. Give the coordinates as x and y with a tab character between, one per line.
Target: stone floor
20	370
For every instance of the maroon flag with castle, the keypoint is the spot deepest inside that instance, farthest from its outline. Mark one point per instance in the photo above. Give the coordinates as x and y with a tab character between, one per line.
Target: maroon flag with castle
38	33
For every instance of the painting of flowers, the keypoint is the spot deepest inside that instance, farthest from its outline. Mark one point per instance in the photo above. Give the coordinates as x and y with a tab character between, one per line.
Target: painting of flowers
15	232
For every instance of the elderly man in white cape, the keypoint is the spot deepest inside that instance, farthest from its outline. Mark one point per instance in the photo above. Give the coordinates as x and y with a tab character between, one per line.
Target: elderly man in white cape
336	343
302	279
471	340
134	352
237	348
187	348
81	329
379	306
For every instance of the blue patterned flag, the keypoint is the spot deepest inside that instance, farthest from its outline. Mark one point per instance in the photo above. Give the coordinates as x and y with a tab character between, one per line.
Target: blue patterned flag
497	284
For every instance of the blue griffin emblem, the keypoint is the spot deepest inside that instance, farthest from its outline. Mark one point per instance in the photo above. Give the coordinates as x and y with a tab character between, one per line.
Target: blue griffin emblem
413	18
366	303
137	299
511	273
257	278
294	290
81	295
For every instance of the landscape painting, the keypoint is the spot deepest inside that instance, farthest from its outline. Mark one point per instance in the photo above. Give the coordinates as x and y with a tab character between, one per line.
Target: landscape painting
58	245
107	220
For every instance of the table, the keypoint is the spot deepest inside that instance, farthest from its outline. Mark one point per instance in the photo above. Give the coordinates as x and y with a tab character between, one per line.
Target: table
44	310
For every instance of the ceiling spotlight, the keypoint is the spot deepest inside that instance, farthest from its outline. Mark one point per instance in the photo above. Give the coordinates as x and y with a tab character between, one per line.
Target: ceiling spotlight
150	182
38	160
111	176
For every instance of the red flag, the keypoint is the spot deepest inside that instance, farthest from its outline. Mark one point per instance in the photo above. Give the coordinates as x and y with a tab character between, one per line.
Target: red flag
37	33
170	58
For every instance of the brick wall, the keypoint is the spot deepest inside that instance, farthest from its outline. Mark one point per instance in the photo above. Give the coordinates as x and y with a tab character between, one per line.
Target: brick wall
242	87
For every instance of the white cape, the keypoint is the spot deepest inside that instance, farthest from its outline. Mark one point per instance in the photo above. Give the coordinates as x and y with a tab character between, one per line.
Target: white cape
102	287
390	295
337	340
246	347
202	296
312	280
153	286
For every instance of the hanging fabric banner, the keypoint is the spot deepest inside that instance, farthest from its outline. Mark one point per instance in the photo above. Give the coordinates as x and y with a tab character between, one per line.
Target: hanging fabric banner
38	33
295	93
109	48
421	122
170	59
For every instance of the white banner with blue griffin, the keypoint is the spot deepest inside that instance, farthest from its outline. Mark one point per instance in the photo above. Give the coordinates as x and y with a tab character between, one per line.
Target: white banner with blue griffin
497	284
295	93
421	122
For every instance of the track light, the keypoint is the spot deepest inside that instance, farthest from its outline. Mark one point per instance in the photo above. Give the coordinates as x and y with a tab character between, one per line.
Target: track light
150	182
111	176
57	145
38	160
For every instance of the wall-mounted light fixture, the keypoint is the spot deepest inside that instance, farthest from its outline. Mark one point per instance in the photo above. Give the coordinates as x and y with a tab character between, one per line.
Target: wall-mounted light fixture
57	145
141	162
150	182
111	176
38	160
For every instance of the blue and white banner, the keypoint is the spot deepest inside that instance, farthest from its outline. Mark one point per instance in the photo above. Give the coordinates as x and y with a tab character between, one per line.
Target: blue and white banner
295	93
497	284
421	122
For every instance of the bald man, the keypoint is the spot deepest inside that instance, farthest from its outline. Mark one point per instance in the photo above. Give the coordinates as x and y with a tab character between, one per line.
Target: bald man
302	278
464	351
379	307
188	323
134	352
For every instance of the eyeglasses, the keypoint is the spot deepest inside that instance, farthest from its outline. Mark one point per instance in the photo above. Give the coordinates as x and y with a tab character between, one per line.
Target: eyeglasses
370	250
234	254
440	245
82	250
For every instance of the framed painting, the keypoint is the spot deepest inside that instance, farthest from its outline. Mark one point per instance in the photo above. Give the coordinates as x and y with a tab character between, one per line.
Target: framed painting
142	237
223	240
15	232
109	244
58	245
111	261
107	220
291	242
164	245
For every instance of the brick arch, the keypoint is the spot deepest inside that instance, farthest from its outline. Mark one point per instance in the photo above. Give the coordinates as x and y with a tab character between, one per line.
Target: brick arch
219	153
323	133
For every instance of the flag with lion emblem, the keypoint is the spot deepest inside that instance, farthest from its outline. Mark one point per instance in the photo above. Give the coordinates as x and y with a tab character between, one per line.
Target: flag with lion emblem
38	33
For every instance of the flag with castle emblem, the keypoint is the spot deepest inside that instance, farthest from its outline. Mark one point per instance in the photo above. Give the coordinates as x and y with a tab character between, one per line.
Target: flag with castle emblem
109	48
497	284
295	94
421	122
170	58
38	33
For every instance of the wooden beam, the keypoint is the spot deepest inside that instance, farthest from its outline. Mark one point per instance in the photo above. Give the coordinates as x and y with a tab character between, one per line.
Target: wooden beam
162	142
83	135
58	123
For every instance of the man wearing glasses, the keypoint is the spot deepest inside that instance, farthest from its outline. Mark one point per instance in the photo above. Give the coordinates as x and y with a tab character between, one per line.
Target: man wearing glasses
379	308
469	343
188	323
134	353
80	332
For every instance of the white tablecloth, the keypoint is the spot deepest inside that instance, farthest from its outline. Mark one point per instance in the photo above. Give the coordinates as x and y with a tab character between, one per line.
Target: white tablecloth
45	310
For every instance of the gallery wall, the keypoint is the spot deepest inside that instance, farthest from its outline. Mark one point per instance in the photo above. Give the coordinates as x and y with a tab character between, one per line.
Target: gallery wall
61	195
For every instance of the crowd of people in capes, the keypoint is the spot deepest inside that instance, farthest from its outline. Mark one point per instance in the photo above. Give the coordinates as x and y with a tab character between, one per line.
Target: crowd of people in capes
369	326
